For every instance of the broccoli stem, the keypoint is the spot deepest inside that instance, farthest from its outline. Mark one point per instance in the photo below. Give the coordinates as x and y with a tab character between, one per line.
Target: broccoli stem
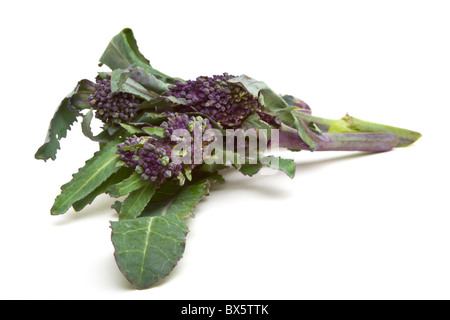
354	141
350	124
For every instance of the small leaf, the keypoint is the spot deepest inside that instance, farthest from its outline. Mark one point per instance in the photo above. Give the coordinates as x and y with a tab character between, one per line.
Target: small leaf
293	118
314	128
149	118
121	81
86	125
80	98
120	175
181	178
97	169
285	165
260	90
157	131
298	103
254	121
188	173
132	183
137	75
175	199
131	129
136	201
161	104
117	206
148	248
249	169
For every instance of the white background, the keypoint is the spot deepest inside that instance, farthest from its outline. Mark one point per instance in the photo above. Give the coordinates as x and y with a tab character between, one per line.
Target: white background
348	226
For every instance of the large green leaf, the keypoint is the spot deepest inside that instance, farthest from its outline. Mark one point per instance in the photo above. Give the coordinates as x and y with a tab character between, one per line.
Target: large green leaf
97	169
148	248
123	52
136	201
62	120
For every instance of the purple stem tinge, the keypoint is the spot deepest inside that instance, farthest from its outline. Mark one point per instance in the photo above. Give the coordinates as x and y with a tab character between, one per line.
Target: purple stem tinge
359	141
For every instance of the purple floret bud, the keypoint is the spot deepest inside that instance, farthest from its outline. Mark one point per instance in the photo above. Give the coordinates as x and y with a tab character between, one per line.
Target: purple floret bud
226	103
151	157
112	107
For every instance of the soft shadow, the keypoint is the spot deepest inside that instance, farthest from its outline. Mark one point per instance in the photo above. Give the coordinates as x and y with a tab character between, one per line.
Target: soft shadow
111	275
263	183
255	184
315	164
100	207
260	184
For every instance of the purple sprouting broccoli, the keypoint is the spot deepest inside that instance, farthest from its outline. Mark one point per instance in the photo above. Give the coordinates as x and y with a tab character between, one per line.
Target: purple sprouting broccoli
227	103
151	157
112	107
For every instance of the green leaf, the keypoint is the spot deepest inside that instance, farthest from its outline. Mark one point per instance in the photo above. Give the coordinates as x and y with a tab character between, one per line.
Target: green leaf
150	118
148	248
293	118
131	129
266	97
277	163
279	106
137	75
132	183
62	120
80	98
123	52
249	169
108	134
298	103
254	121
115	178
285	165
97	169
176	199
158	131
86	125
117	206
121	81
136	201
65	115
161	104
